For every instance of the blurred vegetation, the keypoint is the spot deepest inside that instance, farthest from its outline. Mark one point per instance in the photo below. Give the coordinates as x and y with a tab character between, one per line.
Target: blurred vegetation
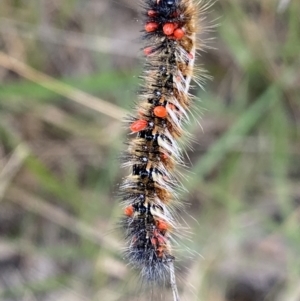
58	157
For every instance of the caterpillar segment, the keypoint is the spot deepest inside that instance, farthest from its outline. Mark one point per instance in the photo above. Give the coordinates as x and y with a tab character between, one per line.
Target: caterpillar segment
149	192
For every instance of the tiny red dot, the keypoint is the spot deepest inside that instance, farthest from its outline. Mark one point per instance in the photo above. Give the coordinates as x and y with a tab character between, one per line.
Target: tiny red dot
147	50
154	242
191	56
161	240
160	111
152	13
162	225
164	156
168	29
138	125
178	33
129	210
151	26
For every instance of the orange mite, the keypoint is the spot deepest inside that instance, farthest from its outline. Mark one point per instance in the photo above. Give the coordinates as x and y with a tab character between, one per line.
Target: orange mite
179	34
160	111
147	50
168	29
162	225
154	242
138	125
129	211
152	13
151	26
161	240
164	156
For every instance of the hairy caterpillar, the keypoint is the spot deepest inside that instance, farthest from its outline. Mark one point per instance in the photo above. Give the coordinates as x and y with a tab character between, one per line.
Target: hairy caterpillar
149	192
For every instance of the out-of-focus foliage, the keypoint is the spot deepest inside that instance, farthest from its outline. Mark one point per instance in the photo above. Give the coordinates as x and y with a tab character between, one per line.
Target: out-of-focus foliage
58	159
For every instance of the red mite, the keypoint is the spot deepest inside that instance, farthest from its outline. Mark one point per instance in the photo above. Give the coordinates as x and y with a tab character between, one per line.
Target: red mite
161	240
179	33
168	28
154	242
160	111
129	211
159	243
158	240
152	13
162	225
138	125
151	26
147	50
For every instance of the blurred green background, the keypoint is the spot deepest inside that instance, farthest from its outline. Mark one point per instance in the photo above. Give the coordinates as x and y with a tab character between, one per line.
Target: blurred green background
58	152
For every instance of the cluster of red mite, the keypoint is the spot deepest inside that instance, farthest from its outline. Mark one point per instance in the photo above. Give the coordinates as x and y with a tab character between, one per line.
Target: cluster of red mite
149	191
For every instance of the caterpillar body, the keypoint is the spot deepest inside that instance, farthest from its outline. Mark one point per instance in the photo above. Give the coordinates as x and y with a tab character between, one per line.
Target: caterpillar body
149	192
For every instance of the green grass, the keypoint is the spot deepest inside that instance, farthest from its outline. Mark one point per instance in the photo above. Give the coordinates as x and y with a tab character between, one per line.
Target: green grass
242	183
